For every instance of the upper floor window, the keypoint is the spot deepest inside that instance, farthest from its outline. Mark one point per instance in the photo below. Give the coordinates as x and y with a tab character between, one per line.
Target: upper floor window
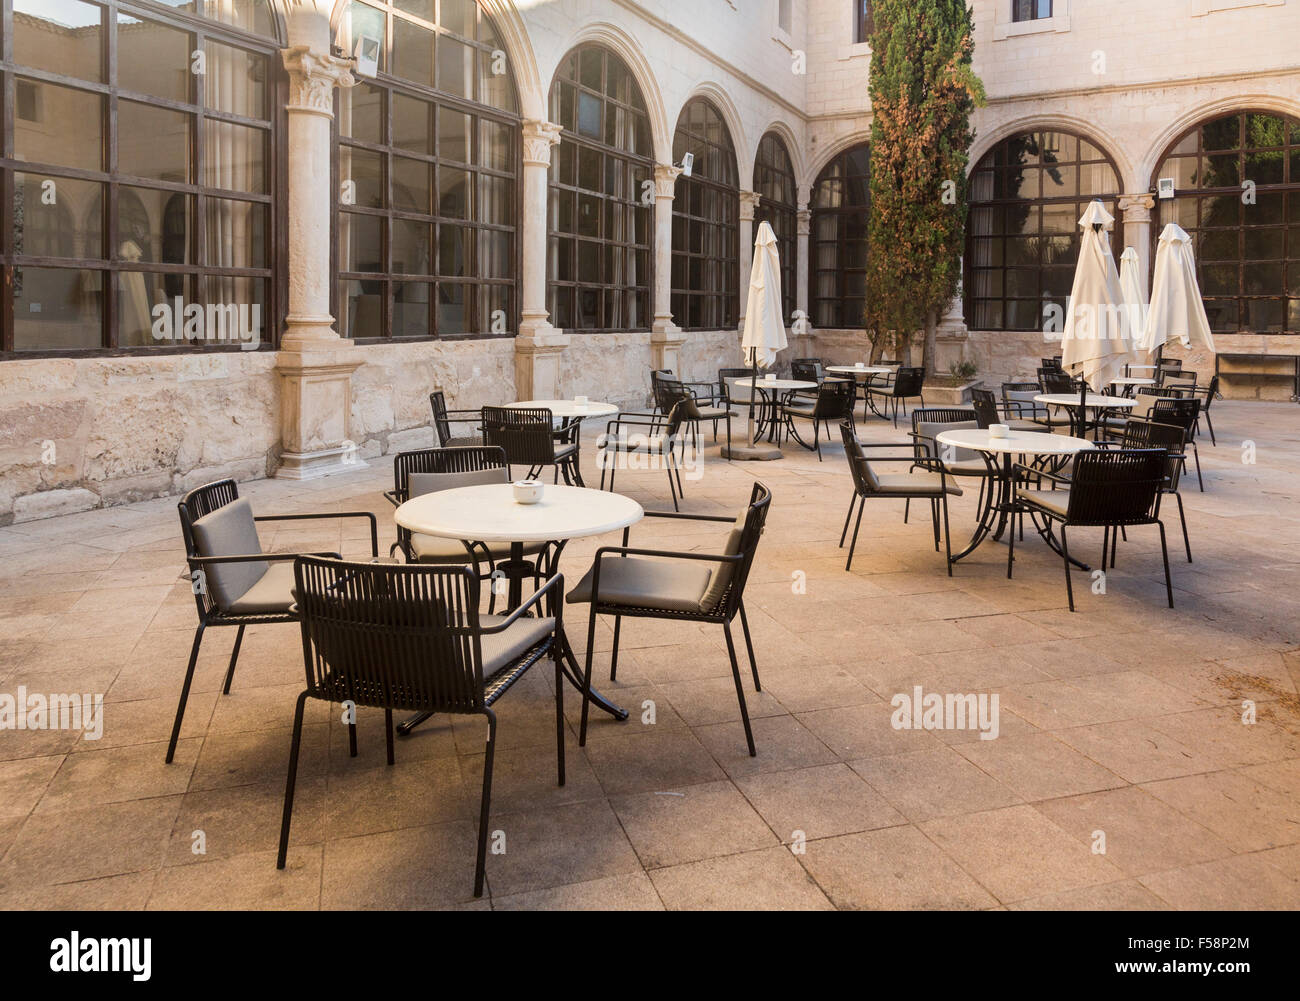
863	23
1247	248
784	15
601	224
1030	10
428	177
138	179
706	220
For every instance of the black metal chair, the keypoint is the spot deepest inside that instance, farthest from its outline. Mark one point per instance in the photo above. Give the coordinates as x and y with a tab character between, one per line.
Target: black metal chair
669	392
985	405
654	436
1207	394
411	639
677	585
443	419
529	438
704	392
1140	434
927	423
736	398
1051	364
834	402
906	385
1111	489
234	582
933	483
1183	412
426	470
1019	405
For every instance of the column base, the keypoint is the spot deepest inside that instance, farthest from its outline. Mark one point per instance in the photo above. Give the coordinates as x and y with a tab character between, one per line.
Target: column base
313	465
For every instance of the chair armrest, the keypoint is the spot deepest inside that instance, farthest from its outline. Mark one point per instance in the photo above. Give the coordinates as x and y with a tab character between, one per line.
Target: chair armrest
1020	468
627	551
513	617
255	558
374	524
688	517
393	498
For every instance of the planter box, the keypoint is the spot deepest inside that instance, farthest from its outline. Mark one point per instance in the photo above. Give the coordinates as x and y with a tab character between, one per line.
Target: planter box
950	396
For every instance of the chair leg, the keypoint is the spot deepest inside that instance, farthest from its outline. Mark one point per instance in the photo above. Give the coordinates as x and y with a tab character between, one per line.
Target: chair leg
586	678
1182	520
847	516
480	864
1065	554
234	656
558	658
613	657
862	502
817	440
291	780
907	508
388	731
1164	553
749	647
1011	544
352	738
1197	455
947	539
740	691
1210	424
672	487
934	521
185	693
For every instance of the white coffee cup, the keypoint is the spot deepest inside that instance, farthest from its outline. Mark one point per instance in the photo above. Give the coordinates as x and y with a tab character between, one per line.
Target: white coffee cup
998	430
528	491
580	401
770	377
858	364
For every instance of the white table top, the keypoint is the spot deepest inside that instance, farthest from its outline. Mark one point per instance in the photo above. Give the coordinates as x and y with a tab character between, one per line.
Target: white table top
864	370
1015	442
1149	368
1094	400
569	408
1130	381
775	383
489	513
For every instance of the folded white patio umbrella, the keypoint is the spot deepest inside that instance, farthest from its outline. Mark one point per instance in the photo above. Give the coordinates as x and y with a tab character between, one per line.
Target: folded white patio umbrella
1135	304
1096	343
764	333
1177	310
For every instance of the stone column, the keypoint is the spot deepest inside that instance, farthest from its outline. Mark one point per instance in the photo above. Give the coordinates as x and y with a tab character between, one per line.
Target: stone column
1136	210
314	363
538	346
666	338
748	207
803	226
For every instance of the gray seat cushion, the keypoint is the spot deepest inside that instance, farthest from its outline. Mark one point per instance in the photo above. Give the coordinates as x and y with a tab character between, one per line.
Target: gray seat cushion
647	583
452	552
723	572
419	484
563	452
504	648
1055	501
917	481
229	531
273	593
799	409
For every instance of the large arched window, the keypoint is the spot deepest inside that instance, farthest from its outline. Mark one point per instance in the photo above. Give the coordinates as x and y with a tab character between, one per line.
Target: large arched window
428	168
1247	236
601	222
1022	238
778	205
139	168
706	215
841	214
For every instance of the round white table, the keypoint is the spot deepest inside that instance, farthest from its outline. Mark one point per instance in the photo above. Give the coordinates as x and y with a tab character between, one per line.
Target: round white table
994	516
489	513
1094	401
859	369
1128	382
770	388
569	409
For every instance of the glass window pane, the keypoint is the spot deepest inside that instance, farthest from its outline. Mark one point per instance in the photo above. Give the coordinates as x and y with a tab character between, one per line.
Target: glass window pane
361	308
234	156
453	192
58	125
138	292
361	176
453	251
459	16
411	309
496	200
154	142
236	233
412	187
65	38
412	52
452	314
153	58
496	147
412	251
234	80
57	216
57	308
236	310
360	19
413	124
455	67
360	242
494	255
453	135
153	225
361	113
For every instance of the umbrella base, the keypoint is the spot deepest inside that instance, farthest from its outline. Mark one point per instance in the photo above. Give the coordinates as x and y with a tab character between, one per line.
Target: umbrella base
754	453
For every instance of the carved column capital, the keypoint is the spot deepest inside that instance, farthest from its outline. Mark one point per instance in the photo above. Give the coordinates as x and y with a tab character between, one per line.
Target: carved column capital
1136	208
539	137
312	78
749	205
803	221
665	179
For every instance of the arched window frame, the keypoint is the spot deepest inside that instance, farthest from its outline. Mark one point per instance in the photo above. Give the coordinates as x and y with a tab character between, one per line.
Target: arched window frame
600	268
402	298
778	204
837	242
706	224
98	275
1263	246
1001	295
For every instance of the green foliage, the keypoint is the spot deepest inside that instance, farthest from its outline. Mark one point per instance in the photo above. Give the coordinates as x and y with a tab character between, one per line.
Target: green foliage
963	370
923	91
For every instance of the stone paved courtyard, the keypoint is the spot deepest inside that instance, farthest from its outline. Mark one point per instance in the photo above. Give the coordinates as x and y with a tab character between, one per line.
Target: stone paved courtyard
1123	718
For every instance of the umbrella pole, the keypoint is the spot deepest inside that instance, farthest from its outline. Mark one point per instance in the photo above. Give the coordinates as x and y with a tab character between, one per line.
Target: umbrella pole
752	450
